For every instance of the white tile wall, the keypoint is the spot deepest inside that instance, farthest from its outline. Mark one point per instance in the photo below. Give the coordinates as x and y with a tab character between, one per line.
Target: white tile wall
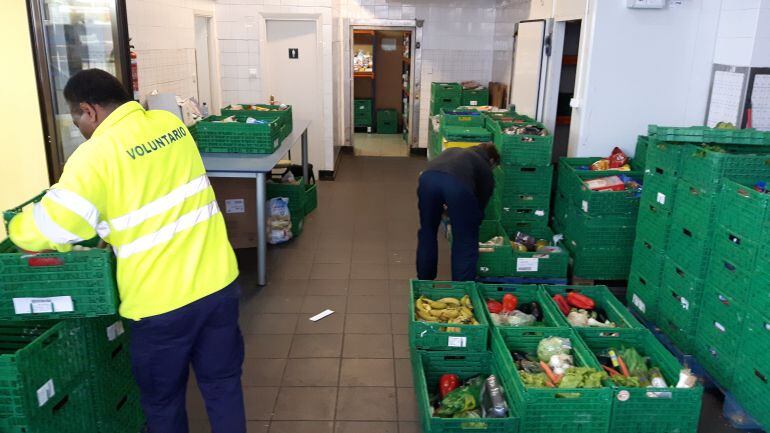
507	14
167	71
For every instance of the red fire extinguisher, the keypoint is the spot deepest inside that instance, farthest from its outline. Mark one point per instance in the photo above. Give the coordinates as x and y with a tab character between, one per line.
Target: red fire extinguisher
134	74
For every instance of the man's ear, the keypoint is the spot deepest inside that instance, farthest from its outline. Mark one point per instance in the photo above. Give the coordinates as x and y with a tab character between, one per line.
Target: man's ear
88	111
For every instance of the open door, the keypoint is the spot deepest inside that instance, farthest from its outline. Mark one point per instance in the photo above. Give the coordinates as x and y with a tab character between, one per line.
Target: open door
530	48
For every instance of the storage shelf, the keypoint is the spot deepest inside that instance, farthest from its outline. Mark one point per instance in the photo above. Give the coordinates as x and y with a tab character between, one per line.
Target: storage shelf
363	32
369	75
407	60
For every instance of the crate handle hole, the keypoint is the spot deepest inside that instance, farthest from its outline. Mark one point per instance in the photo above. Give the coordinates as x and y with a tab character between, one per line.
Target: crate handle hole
679	272
694	191
760	376
658	170
643	281
528	169
734	239
729	267
60	405
687	233
454	357
117	351
647	245
743	193
121	403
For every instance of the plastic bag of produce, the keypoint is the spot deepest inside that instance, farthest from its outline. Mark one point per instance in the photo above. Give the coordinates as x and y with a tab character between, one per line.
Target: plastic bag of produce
551	346
278	220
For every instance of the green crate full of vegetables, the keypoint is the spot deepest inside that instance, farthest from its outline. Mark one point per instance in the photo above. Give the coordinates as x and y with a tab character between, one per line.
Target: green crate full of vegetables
469	371
638	405
642	295
213	135
265	111
543	260
455	329
495	253
527	306
720	333
522	144
591	307
580	402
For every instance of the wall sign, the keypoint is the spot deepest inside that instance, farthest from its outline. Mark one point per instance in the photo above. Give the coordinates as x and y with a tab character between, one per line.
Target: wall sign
294	53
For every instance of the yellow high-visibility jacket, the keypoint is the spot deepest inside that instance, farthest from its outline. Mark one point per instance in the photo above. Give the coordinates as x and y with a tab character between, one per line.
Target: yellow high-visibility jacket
139	183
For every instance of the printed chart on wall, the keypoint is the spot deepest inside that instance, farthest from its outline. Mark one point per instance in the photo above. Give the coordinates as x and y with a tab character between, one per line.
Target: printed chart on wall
759	99
727	95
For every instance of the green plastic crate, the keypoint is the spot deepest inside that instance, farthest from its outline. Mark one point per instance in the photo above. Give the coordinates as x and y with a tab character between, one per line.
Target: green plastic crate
719	334
734	278
446	103
604	299
703	134
599	263
695	207
68	411
387	122
476	134
751	386
522	150
494	261
427	369
431	336
744	210
442	90
516	218
572	172
598	203
527	179
539	265
642	295
529	200
236	137
124	414
648	410
756	342
759	294
525	294
646	260
682	281
548	410
86	279
38	362
297	226
285	117
606	231
653	224
661	190
678	313
299	194
561	211
493	209
311	198
475	97
467	118
690	249
706	167
640	153
362	112
663	158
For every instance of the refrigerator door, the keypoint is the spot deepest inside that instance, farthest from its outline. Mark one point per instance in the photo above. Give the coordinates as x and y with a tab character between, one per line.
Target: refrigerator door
72	35
529	67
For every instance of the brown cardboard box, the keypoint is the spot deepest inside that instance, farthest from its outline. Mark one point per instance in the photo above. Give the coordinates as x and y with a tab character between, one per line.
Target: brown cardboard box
237	199
498	95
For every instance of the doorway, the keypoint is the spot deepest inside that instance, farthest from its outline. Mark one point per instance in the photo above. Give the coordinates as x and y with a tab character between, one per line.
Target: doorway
292	75
204	65
382	80
567	76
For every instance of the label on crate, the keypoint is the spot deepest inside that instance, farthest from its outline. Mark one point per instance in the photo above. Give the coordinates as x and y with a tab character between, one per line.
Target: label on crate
539	213
719	326
45	393
236	205
457	341
661	198
624	395
658	394
54	304
584	206
526	264
115	330
685	303
474	103
638	303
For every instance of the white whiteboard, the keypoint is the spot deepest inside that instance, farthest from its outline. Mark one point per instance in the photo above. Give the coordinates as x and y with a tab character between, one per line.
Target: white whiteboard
527	67
726	98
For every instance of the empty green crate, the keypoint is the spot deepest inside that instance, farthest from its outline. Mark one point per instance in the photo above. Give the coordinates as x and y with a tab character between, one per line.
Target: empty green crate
475	97
527	179
605	301
67	411
756	342
123	413
284	116
740	251
751	386
602	202
642	295
494	261
548	410
213	136
387	122
690	249
646	259
695	206
514	218
527	150
640	153
653	224
427	369
56	285
432	335
682	281
598	263
703	134
678	313
525	294
728	274
706	167
660	189
441	90
663	158
38	362
649	410
607	231
362	112
743	209
759	294
538	264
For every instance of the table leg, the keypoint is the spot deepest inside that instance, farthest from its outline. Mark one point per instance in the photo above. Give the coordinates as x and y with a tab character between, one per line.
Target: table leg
305	158
261	231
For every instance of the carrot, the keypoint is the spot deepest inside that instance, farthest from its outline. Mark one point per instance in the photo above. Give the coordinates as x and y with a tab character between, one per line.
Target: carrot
611	371
549	384
623	367
548	372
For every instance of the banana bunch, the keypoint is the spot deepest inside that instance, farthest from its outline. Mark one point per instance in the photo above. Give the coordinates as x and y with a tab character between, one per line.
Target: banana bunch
446	310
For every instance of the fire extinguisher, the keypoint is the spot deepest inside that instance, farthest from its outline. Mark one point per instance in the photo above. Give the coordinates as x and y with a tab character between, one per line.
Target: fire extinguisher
134	73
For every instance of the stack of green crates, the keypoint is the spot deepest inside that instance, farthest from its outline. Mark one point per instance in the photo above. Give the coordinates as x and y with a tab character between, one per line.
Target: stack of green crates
303	199
362	113
598	226
475	97
444	96
467	126
387	121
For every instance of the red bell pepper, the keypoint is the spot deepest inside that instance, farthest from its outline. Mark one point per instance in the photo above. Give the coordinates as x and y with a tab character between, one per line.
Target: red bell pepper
581	301
447	383
509	302
562	304
494	306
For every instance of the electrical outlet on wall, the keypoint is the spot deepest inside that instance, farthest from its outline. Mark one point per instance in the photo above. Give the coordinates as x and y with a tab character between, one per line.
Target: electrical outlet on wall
646	4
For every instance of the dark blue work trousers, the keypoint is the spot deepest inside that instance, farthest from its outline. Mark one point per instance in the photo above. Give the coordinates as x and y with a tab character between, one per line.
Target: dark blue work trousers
206	335
437	189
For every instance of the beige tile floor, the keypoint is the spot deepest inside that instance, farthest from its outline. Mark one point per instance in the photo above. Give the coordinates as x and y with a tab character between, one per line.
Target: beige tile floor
379	145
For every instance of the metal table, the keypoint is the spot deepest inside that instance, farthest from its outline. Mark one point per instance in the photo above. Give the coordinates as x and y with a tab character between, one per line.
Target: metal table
252	166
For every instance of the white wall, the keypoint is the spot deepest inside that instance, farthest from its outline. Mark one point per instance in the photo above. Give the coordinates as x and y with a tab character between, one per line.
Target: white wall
743	38
641	67
507	14
163	34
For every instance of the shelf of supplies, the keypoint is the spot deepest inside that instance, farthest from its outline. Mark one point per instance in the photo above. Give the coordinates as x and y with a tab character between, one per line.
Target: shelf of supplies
405	90
563	120
407	60
569	60
363	32
369	75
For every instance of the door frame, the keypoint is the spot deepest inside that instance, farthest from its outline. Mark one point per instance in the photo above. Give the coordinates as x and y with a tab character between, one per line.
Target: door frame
415	71
214	63
544	64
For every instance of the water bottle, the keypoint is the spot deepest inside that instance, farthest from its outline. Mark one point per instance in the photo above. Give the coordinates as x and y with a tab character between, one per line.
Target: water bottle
499	408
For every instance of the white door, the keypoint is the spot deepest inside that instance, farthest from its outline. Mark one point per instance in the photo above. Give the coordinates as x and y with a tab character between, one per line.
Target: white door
293	77
202	60
527	81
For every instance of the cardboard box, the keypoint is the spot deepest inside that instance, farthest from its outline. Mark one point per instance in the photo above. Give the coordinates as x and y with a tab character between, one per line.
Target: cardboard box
498	95
237	199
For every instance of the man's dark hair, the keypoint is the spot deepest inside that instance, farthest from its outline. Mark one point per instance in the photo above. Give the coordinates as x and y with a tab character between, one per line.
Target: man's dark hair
491	151
95	87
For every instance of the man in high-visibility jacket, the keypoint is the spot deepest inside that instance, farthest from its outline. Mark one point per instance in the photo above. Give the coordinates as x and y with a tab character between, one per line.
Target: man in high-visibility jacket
139	183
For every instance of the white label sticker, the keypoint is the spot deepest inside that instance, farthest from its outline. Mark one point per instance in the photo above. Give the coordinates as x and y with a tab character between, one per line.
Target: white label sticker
115	330
639	303
539	213
685	303
457	341
661	198
45	393
474	103
719	326
236	205
54	304
624	395
526	264
585	206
